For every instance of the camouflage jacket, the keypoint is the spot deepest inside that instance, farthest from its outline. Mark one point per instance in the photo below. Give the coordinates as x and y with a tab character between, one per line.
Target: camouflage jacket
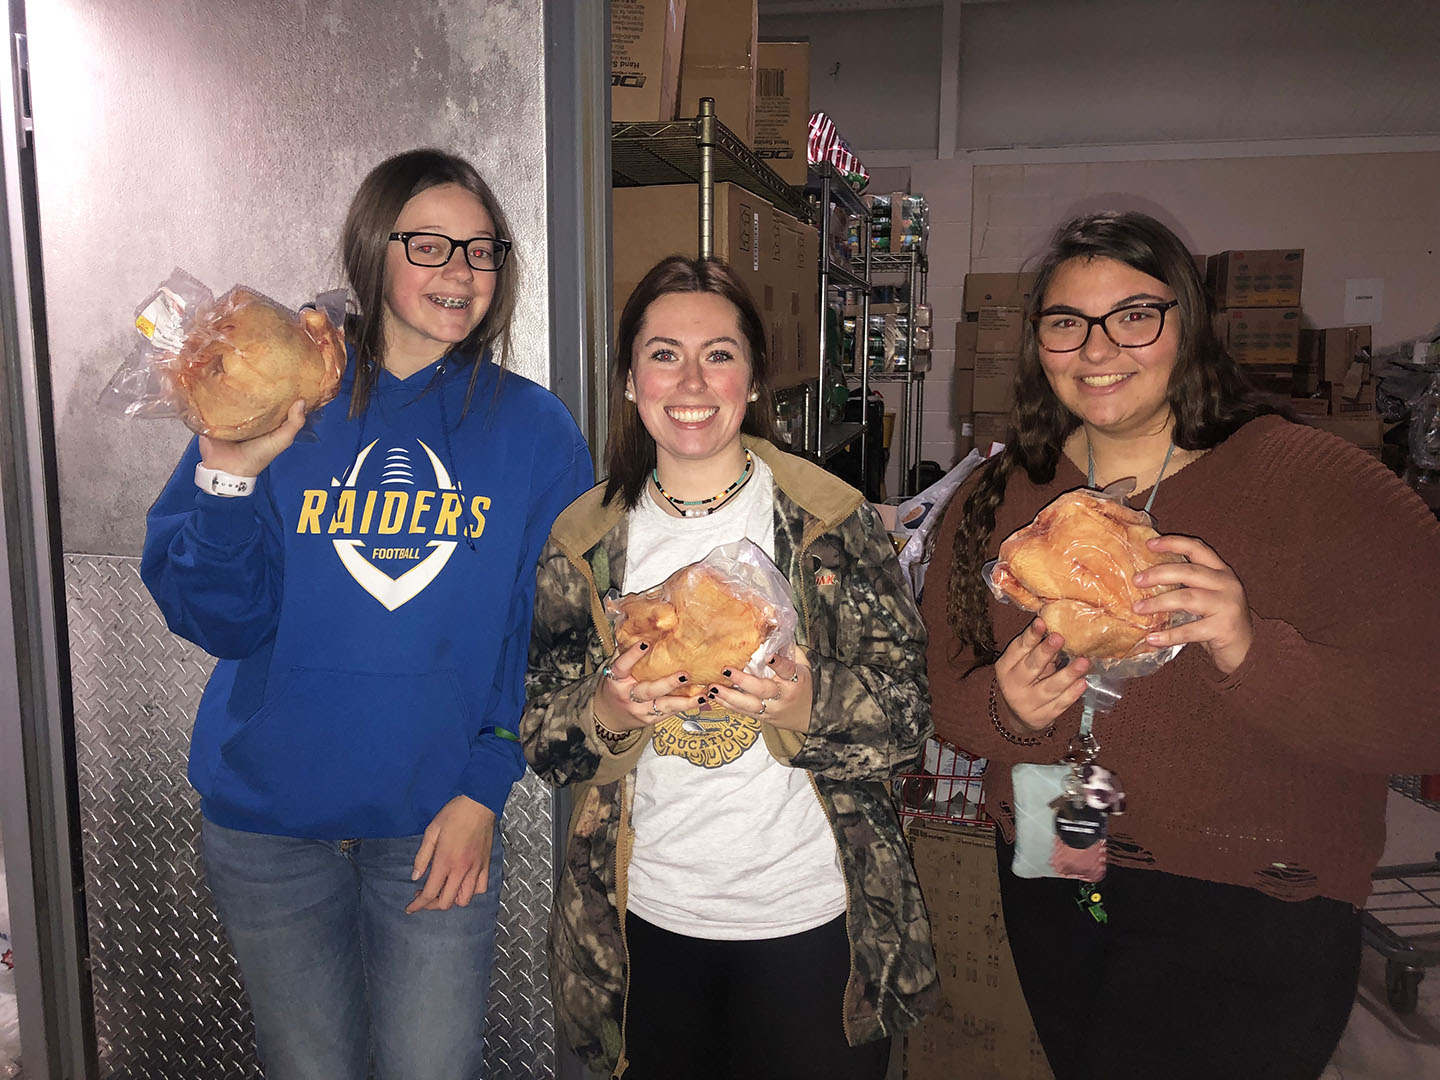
869	720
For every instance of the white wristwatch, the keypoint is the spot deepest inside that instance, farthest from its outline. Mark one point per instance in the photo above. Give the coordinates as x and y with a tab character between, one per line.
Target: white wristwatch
224	484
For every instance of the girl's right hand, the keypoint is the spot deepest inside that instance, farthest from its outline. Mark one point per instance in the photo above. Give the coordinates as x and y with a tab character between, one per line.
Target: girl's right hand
622	704
249	458
1036	692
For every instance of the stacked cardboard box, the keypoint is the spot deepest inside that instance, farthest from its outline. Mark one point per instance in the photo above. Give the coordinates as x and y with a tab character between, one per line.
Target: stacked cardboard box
987	353
1257	294
1323	375
782	107
771	252
718	61
1337	360
645	38
665	55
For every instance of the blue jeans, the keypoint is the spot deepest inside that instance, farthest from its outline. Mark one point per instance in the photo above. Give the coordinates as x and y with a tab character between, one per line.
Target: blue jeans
335	969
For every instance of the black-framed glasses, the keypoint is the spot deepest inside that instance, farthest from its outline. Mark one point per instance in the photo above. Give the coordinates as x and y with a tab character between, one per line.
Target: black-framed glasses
1130	327
435	249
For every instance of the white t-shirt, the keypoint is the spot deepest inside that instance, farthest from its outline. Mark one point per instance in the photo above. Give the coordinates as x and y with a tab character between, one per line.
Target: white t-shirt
729	843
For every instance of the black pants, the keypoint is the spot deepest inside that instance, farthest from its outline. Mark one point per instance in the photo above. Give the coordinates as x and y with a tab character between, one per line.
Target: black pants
742	1010
1188	978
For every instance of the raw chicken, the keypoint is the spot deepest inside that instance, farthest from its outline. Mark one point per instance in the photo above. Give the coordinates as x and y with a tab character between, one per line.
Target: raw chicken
246	361
1075	565
696	623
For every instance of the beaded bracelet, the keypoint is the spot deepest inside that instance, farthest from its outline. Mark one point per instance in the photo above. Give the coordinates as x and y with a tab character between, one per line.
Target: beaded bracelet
1010	736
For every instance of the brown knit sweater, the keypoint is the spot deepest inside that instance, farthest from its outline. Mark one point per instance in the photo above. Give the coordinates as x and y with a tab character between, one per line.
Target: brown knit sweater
1275	777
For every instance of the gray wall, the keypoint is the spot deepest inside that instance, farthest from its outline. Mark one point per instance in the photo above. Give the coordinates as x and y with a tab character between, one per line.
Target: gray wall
876	73
227	139
1058	73
1048	73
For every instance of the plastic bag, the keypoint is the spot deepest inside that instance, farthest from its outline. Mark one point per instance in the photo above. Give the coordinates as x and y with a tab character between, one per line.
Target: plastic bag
918	518
229	367
694	619
1090	573
824	143
1424	429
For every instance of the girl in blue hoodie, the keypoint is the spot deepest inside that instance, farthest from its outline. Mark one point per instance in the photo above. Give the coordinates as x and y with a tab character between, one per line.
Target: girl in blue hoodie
367	593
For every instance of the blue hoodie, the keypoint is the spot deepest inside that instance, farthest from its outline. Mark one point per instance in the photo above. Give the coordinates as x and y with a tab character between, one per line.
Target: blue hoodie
369	604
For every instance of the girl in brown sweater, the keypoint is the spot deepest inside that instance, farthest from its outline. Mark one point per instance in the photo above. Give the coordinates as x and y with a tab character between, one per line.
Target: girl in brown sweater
1255	762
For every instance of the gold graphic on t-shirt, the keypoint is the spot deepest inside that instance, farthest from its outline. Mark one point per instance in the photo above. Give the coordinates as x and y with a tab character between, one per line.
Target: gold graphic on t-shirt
708	737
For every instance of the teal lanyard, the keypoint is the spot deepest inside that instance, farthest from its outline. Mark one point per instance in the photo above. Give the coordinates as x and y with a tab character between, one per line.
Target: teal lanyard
1087	717
1090	472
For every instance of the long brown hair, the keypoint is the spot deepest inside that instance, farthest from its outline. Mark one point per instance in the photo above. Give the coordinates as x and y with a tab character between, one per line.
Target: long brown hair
1209	397
630	449
365	241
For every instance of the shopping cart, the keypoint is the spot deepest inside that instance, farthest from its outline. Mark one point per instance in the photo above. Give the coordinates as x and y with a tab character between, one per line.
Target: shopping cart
1406	898
948	785
1405	908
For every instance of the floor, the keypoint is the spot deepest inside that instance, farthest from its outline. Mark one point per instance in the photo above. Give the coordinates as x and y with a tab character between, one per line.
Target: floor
1379	1043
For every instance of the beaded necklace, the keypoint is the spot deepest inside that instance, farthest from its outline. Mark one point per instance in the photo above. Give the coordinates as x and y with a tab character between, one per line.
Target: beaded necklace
704	507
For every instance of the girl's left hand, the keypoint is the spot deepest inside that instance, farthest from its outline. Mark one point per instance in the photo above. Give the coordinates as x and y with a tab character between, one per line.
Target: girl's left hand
456	851
1209	590
782	700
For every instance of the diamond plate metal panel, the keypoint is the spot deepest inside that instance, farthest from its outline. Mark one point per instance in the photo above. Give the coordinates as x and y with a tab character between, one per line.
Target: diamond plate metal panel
168	997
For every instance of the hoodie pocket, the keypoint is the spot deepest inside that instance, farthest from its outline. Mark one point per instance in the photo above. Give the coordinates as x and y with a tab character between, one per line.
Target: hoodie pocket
345	753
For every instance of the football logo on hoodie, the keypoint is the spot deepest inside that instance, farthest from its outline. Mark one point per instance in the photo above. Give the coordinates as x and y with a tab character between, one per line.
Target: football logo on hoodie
408	527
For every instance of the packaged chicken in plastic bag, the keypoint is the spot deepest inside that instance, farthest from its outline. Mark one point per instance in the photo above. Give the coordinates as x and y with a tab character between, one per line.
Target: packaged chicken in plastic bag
731	608
1074	566
231	366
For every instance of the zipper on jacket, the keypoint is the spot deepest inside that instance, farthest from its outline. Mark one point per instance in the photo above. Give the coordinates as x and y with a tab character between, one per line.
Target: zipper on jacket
844	877
844	1012
800	573
622	866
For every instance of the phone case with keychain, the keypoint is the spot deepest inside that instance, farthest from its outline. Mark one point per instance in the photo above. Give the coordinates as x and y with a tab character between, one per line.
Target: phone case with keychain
1036	788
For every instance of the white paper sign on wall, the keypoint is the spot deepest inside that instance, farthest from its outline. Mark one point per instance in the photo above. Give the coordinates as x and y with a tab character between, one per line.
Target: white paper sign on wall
1364	301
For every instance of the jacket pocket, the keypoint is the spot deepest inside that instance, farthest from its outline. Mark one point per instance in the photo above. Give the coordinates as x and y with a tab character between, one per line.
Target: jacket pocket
344	753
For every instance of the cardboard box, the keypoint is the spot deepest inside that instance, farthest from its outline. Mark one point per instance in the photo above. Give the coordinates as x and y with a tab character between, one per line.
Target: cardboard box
996	290
1310	406
654	222
983	1029
966	334
1355	395
1253	279
999	329
1365	431
718	61
1261	336
782	107
792	302
990	427
645	38
994	382
772	295
1337	347
962	395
